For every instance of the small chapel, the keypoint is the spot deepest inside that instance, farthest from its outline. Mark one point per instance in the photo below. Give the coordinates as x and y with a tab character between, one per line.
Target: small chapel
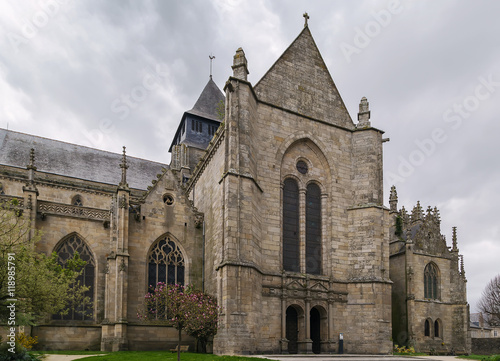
272	202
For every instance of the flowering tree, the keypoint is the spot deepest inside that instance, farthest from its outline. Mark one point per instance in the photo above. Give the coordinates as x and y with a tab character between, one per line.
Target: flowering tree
202	317
183	308
38	282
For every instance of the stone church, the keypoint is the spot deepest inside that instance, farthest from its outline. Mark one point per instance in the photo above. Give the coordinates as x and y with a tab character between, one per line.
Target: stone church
273	203
429	296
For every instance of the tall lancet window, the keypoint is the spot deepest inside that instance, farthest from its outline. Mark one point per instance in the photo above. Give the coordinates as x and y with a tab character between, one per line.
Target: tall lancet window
166	263
313	229
431	282
66	250
291	253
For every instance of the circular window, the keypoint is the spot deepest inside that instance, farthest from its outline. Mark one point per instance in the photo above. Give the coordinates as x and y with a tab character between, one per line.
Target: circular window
168	199
302	167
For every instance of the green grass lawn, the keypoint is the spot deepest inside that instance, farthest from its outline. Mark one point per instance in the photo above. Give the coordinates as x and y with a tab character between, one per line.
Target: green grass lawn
66	352
151	355
481	357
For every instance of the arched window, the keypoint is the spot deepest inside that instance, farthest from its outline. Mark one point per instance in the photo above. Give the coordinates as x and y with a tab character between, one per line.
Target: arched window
77	201
313	229
65	251
431	284
291	254
437	328
165	263
427	328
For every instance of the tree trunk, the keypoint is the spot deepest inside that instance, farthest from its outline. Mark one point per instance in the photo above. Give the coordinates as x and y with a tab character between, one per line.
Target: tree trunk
179	345
202	345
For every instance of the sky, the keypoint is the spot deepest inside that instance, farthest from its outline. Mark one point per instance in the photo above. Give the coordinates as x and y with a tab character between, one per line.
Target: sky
110	73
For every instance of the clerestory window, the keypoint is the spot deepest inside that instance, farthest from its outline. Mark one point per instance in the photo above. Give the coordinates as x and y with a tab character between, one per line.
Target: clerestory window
77	201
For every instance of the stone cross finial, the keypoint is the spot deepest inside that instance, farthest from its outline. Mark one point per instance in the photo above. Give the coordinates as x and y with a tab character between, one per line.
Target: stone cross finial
364	113
124	167
306	17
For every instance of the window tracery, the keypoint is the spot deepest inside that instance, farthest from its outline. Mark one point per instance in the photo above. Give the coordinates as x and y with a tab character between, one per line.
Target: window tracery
166	263
77	201
65	251
293	240
431	284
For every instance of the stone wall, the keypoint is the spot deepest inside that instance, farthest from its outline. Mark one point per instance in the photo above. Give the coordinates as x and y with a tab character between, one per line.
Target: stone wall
55	337
159	219
486	346
148	337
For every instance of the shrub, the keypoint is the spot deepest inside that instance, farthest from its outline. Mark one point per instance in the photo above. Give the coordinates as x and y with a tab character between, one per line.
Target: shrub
404	350
26	341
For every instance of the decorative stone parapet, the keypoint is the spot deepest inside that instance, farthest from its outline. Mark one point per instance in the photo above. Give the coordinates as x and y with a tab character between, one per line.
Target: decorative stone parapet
47	208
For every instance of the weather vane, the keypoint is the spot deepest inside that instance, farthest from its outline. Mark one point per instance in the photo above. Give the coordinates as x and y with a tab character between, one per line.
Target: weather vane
211	59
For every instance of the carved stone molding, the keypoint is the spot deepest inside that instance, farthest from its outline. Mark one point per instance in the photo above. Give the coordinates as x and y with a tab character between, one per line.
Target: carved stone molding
73	211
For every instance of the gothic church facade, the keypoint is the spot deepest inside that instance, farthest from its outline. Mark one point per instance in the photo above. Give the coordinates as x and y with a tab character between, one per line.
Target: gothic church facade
273	203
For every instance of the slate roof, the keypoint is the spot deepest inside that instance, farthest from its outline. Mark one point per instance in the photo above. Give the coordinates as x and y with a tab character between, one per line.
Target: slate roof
205	107
74	160
207	103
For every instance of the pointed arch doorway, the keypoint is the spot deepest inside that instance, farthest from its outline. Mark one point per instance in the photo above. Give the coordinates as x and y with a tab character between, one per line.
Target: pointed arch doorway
315	327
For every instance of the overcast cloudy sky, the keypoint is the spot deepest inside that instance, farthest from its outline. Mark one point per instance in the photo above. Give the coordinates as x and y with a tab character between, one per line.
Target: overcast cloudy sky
111	73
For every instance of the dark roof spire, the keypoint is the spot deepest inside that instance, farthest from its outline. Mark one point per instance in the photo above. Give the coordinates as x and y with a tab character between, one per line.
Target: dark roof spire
207	103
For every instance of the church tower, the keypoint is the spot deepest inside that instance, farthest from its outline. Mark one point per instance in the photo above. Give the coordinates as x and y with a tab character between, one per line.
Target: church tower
296	234
196	129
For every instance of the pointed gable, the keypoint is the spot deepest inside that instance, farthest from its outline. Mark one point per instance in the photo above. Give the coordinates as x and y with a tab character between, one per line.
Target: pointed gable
299	81
208	104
